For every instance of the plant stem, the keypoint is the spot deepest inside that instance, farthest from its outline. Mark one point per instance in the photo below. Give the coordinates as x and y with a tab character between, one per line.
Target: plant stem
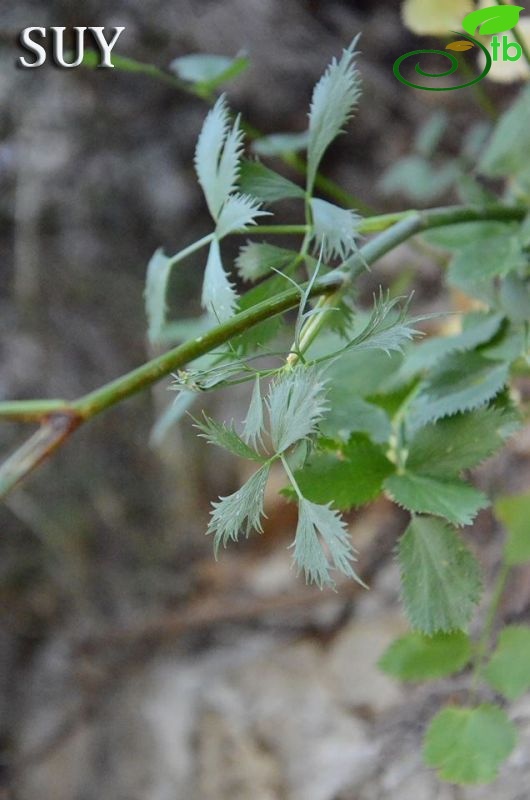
275	230
485	639
31	410
60	422
192	248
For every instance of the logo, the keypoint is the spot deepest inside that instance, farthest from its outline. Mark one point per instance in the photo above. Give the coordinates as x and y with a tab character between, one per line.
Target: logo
28	42
484	22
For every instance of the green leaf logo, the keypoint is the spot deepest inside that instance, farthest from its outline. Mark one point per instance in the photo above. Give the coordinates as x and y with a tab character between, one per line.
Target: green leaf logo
492	20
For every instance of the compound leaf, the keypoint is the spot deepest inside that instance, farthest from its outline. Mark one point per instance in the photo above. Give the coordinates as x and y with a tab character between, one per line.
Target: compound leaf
416	657
440	578
468	745
238	212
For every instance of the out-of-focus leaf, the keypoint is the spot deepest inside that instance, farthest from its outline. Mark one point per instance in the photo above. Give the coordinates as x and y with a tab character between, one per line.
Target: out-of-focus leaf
416	657
278	144
266	185
207	69
514	513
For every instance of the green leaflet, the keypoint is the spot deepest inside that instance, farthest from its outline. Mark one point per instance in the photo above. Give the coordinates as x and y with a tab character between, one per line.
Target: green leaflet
508	670
508	148
296	403
468	745
456	501
479	261
264	184
335	229
158	271
462	382
208	71
445	448
319	524
223	436
415	657
239	513
514	513
416	178
279	144
354	478
440	578
258	259
351	414
334	99
479	329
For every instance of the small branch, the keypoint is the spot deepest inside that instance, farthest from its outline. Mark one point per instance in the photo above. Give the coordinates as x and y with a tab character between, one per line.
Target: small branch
60	423
39	447
30	410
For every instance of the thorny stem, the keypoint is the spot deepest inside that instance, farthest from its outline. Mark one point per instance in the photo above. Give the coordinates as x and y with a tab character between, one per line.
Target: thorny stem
58	422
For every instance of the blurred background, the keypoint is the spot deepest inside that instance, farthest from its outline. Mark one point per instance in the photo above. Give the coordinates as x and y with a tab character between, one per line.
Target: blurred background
132	665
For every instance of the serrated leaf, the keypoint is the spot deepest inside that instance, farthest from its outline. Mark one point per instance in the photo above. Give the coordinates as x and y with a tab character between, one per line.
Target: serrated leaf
462	382
445	448
334	99
514	513
335	230
480	328
430	134
219	297
496	19
508	670
350	414
238	212
440	578
295	403
253	425
210	149
415	177
279	144
468	745
158	272
415	657
240	512
224	436
480	261
455	501
257	259
266	185
207	69
319	526
353	478
507	150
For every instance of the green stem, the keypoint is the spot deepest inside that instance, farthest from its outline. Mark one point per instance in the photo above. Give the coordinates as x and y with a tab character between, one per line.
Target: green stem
198	245
31	410
289	473
485	639
279	230
63	421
